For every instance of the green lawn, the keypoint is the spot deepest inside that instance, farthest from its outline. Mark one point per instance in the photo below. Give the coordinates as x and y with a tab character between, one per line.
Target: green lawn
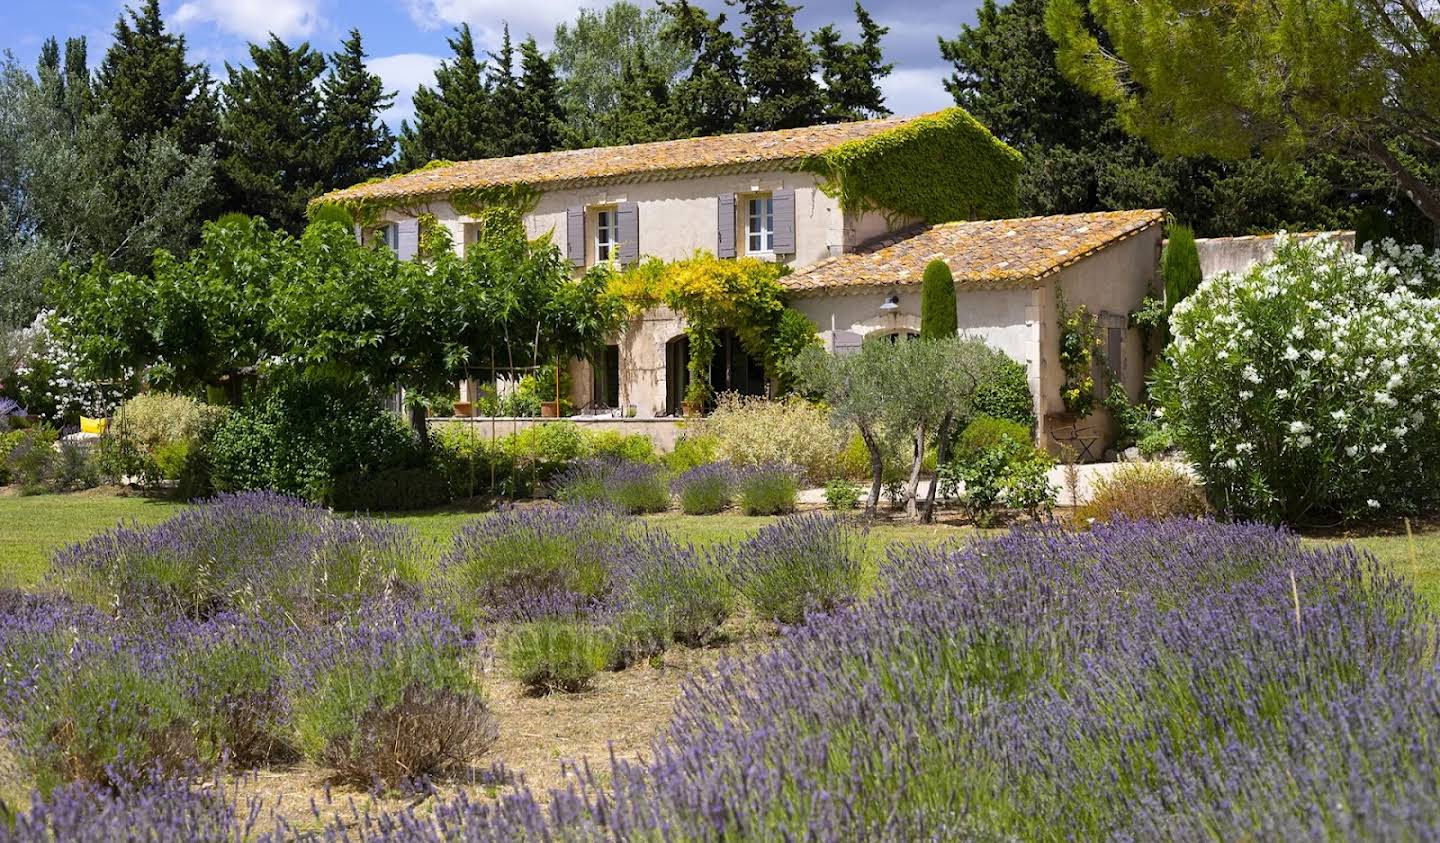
32	528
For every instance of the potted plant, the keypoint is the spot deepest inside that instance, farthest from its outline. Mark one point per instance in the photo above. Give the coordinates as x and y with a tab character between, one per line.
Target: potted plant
464	409
693	404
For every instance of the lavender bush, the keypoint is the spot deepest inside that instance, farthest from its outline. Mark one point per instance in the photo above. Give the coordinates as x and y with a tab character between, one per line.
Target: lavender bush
705	489
518	556
391	697
768	489
801	564
557	654
255	551
670	591
628	485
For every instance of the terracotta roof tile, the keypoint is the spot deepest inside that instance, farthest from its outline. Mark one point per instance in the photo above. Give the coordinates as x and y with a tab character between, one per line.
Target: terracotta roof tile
555	169
983	254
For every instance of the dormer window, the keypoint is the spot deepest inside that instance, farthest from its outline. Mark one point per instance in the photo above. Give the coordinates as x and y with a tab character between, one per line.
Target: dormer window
607	235
760	225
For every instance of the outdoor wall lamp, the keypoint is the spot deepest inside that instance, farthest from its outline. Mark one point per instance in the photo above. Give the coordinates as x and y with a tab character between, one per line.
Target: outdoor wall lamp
892	304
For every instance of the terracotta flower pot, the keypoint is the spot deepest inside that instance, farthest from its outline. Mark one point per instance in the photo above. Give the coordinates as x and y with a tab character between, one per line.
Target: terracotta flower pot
463	409
549	409
692	408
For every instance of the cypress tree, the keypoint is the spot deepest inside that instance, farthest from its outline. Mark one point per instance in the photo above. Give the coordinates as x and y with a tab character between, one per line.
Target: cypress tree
543	121
938	315
852	71
645	111
779	68
450	118
273	133
149	87
505	124
710	100
357	141
1179	265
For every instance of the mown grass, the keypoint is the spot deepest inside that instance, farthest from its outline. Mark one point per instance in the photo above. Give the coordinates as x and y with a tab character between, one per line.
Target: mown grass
31	528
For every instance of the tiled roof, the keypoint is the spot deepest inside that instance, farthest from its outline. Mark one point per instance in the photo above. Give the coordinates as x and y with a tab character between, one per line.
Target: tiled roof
570	167
984	254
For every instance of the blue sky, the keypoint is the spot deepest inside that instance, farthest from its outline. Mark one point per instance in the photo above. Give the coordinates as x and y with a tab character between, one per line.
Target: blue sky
406	38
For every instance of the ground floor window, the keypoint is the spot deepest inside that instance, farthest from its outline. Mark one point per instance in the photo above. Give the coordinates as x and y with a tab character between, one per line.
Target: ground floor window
605	388
732	370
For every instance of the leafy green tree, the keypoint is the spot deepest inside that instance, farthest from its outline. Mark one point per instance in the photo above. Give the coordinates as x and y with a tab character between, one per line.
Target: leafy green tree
598	56
646	111
1079	158
779	68
542	119
358	144
274	133
148	84
69	86
711	98
939	317
1358	79
450	118
851	72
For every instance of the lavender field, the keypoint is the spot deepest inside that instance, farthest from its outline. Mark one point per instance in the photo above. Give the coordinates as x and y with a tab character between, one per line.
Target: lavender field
1183	680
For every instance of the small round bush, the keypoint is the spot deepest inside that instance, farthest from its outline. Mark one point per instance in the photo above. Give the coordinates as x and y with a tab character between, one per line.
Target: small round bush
756	431
1309	386
769	489
671	591
534	553
692	451
1005	393
986	432
157	436
633	487
612	444
705	489
556	654
802	564
1150	490
390	697
841	495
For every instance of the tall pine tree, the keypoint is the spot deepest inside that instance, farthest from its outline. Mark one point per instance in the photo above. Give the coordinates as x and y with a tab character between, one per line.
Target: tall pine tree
779	68
710	99
149	87
542	120
645	111
273	133
852	71
450	118
358	144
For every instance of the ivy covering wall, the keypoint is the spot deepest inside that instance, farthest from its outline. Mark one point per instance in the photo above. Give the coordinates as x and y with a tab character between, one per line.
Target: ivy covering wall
940	168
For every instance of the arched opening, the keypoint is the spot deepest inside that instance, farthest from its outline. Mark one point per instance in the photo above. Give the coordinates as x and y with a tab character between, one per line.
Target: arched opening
677	373
731	370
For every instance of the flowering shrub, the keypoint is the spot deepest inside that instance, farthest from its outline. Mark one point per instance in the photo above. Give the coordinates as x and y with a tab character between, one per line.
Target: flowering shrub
1145	490
520	554
150	806
47	379
669	591
633	487
255	552
768	489
802	564
754	431
391	698
705	489
1310	385
556	654
156	436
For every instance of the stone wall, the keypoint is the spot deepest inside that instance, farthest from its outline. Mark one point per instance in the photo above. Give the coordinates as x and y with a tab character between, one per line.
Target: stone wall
1236	254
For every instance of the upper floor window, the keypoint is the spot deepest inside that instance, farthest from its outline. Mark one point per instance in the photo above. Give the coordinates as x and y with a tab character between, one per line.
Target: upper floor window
760	225
607	235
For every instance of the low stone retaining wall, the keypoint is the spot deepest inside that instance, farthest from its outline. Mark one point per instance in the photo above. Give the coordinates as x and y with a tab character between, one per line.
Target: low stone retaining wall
663	432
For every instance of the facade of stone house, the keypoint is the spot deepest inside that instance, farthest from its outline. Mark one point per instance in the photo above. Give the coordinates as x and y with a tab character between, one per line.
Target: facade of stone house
761	195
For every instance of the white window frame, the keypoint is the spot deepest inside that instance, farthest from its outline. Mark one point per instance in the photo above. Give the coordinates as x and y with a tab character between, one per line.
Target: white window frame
760	224
390	235
607	234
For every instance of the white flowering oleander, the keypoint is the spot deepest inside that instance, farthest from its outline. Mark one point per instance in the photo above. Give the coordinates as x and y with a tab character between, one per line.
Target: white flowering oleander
1344	356
47	381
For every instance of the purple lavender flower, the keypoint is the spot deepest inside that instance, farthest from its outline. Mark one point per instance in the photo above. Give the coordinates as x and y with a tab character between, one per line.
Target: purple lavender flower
628	485
705	489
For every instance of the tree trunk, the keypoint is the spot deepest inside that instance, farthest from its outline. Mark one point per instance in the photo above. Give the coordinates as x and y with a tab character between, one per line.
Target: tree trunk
417	421
1421	194
942	452
877	469
912	491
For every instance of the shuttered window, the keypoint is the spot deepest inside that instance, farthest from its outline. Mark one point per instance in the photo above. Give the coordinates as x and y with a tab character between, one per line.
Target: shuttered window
607	235
760	225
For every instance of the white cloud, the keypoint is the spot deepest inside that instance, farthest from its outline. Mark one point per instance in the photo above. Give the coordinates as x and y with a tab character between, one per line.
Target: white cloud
253	19
402	73
916	90
535	17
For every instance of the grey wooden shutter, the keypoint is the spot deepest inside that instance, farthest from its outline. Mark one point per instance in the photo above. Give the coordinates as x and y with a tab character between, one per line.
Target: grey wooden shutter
725	240
407	239
575	235
783	203
627	223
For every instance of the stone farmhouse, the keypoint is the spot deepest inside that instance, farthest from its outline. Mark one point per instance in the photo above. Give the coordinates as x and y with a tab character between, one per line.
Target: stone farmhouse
855	210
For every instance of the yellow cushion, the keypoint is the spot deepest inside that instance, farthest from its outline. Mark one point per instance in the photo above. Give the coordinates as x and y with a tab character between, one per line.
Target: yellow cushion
88	425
